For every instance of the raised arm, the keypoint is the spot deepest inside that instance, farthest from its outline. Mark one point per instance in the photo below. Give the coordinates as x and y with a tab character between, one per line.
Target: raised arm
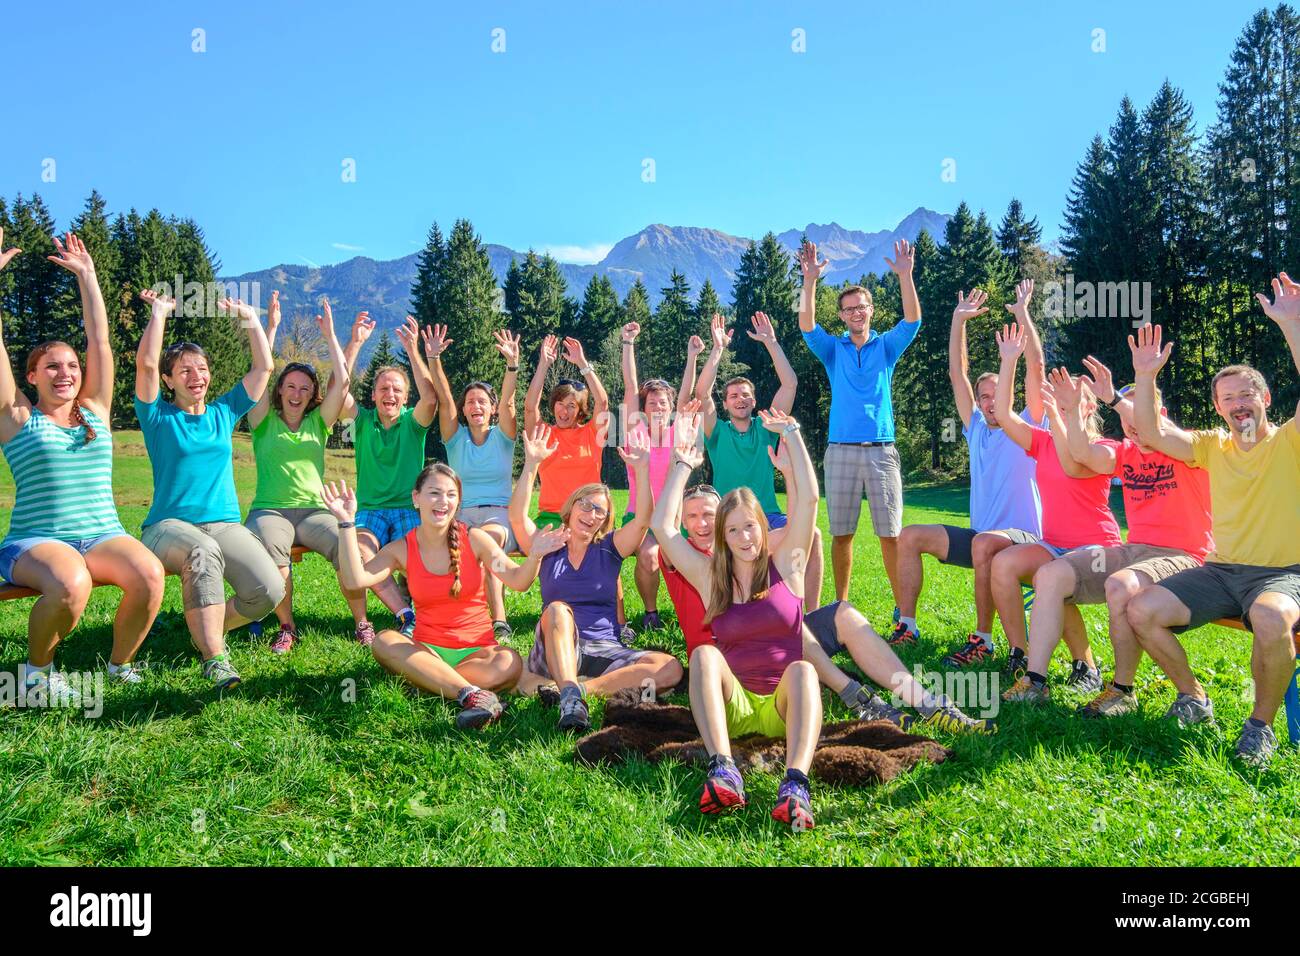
721	337
336	390
599	397
258	411
508	346
11	398
694	346
537	448
958	359
148	357
1011	343
812	271
631	389
665	521
637	458
764	332
362	326
901	264
1102	383
547	353
1067	395
1035	360
97	376
259	374
517	577
1285	311
791	555
1149	357
435	343
342	503
408	336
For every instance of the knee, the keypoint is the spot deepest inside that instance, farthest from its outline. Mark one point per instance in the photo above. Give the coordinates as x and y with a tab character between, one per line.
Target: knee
1002	569
385	646
705	659
842	540
1120	588
983	548
71	589
803	674
263	597
1142	612
1054	577
1270	623
669	674
556	615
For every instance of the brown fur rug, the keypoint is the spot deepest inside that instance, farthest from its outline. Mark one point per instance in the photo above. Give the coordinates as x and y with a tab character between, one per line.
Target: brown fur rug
851	753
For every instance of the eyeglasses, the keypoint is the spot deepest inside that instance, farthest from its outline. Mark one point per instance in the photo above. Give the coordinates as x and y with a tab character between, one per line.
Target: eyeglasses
592	508
576	384
856	310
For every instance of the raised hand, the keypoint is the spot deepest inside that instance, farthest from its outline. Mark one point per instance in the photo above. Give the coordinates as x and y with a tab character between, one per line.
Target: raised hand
812	269
6	254
763	330
904	258
686	435
158	305
1049	400
720	333
1067	390
508	345
546	540
273	312
1011	340
362	326
780	456
1285	307
240	309
694	346
1099	380
325	320
630	332
537	444
72	256
340	499
573	352
549	350
408	335
969	307
1024	291
775	420
435	340
637	454
1148	357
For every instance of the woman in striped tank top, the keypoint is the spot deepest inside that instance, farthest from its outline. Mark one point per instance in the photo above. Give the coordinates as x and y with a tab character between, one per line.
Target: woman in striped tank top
64	532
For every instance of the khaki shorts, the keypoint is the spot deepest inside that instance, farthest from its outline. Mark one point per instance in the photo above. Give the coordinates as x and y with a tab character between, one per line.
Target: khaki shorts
1093	565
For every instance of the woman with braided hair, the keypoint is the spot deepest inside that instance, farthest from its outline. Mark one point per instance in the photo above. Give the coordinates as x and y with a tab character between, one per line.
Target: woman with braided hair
453	651
64	532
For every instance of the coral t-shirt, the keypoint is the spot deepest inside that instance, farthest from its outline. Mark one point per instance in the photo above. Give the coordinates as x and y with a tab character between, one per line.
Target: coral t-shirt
1166	502
1076	511
576	462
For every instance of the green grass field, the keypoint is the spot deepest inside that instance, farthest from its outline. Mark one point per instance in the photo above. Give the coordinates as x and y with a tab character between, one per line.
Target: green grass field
319	758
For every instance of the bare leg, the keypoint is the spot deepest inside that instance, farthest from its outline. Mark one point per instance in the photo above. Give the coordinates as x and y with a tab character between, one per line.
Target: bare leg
889	554
386	590
916	540
647	575
656	670
842	564
1011	567
1122	587
1272	655
712	685
495	593
129	565
1053	583
983	549
493	668
799	702
208	628
1151	614
419	665
59	573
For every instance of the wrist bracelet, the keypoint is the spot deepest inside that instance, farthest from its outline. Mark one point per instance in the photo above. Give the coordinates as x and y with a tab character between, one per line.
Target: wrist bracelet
1114	402
347	524
585	371
512	368
790	429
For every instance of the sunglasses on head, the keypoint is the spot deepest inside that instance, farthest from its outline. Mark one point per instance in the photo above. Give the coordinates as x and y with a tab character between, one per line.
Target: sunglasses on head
576	384
185	347
699	491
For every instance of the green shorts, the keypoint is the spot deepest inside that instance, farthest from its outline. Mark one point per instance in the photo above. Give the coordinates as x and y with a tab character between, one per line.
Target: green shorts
750	713
453	655
548	517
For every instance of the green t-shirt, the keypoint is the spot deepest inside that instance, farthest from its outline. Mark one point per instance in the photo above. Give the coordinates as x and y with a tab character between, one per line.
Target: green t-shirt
290	464
388	459
740	459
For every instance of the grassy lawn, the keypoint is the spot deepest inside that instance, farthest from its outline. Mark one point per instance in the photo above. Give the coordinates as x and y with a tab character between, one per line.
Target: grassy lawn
319	758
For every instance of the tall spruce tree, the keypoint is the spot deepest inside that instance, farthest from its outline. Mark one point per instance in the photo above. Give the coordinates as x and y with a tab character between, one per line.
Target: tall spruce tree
1016	234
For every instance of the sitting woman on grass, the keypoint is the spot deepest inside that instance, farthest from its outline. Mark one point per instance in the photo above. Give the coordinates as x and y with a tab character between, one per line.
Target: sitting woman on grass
452	651
576	636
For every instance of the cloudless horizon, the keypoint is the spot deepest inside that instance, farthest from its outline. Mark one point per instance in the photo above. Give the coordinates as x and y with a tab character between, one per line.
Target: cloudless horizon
543	145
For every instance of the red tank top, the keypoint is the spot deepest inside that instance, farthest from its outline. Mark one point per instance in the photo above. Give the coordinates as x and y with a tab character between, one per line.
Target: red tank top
441	619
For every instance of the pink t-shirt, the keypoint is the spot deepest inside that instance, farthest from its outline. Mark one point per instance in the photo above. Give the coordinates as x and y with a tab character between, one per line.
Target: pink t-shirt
1076	511
1167	502
661	459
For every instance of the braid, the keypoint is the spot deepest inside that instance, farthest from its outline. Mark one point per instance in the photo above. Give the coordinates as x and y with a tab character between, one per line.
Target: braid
453	549
79	418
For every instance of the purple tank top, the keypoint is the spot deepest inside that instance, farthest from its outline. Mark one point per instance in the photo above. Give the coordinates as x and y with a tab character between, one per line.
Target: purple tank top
759	640
591	589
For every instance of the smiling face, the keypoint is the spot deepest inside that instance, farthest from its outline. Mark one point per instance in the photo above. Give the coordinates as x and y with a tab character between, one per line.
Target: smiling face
698	517
437	500
296	392
56	374
659	406
189	378
389	395
1243	404
856	310
745	534
984	393
478	408
565	412
738	400
587	513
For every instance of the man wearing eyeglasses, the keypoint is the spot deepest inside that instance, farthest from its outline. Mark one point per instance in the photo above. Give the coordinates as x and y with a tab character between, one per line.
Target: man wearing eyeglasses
860	454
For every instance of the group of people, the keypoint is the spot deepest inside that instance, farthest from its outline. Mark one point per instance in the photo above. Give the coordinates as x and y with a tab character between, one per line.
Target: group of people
744	578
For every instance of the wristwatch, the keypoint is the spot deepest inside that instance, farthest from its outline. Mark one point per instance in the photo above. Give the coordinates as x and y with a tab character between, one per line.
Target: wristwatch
1114	402
792	427
585	371
347	524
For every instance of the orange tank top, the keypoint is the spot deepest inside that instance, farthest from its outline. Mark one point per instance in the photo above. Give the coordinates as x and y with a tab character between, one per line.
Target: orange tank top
441	619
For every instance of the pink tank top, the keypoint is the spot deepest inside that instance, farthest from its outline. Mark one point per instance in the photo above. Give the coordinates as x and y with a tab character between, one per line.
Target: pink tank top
760	639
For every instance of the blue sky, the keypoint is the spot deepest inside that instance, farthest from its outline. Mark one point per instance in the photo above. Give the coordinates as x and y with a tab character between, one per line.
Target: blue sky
543	144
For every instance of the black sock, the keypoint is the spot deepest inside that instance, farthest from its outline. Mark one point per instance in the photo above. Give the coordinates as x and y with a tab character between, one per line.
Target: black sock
1038	679
1256	723
1122	688
798	776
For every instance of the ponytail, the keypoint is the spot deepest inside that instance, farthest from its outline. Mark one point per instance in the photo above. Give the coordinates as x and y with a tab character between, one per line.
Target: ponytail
453	549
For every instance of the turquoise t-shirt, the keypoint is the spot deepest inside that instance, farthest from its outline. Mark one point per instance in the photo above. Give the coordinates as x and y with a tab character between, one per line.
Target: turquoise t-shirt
740	459
192	457
485	470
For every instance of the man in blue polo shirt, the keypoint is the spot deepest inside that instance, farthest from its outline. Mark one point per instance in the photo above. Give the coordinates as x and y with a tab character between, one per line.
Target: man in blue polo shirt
860	454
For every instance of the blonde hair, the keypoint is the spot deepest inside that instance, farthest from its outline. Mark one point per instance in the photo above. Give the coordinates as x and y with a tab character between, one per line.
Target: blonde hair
581	492
720	563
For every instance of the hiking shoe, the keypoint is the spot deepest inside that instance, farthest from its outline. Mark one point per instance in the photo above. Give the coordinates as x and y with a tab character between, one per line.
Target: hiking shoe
283	641
1110	703
1084	678
406	623
220	672
974	651
793	806
951	720
651	621
549	695
1017	664
365	634
47	689
1025	691
903	634
478	709
502	630
723	787
1255	746
573	713
626	634
871	706
1187	710
126	674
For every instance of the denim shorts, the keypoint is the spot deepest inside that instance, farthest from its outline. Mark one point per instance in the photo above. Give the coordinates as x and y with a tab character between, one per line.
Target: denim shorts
388	524
11	551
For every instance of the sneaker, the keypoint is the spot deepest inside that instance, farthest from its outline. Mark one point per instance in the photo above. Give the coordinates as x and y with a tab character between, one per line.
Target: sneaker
479	709
1025	691
126	674
1110	703
974	651
573	713
951	720
365	634
1017	663
548	695
651	621
627	634
1187	710
283	641
1084	678
406	623
723	789
1255	746
872	706
793	806
220	672
502	630
47	689
903	635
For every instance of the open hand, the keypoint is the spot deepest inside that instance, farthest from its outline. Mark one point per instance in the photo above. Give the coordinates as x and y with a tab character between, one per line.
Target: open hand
340	499
1148	356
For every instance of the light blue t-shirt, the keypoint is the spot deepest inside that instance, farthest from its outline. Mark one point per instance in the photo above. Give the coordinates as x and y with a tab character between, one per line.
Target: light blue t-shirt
1003	493
485	469
192	457
862	404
